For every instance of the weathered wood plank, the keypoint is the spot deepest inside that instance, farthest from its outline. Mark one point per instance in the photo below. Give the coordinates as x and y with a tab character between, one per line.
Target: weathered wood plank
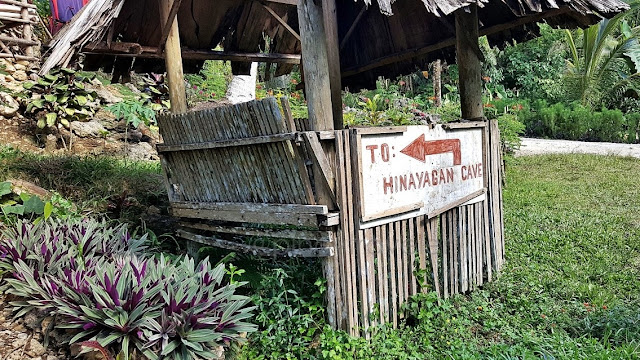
253	207
308	220
362	281
371	278
432	230
380	130
412	256
464	125
463	248
399	245
423	235
350	217
321	162
306	235
393	274
444	235
226	143
256	250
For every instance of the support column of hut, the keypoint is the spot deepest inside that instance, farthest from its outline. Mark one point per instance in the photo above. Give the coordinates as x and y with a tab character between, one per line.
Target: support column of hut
322	78
469	62
173	55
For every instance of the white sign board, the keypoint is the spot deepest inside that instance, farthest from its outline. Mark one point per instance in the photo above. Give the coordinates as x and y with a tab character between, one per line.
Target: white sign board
418	172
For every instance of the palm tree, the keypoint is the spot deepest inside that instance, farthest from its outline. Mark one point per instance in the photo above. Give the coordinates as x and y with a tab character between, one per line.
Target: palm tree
607	63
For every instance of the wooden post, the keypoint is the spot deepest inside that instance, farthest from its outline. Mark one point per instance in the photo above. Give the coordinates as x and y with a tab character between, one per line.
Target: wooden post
318	86
173	61
316	65
469	63
27	33
333	58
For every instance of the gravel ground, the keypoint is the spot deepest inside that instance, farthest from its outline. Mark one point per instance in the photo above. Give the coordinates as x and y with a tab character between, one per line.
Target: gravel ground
544	146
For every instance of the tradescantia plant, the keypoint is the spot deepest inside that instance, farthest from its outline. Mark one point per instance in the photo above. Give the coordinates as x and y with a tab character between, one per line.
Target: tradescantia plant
37	254
97	280
60	97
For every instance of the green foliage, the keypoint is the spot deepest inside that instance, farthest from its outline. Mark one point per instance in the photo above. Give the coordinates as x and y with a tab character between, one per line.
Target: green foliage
155	92
15	206
59	98
118	189
607	63
133	112
577	122
211	83
288	323
510	131
44	8
534	68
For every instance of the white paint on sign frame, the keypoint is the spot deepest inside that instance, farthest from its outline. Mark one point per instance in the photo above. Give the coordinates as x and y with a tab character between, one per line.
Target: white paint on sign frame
420	171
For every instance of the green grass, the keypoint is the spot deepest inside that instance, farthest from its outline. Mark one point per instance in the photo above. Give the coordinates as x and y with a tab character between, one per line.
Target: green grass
101	186
572	227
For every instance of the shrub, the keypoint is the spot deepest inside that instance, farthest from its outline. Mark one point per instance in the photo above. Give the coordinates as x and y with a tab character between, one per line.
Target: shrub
96	279
577	122
510	131
60	97
288	322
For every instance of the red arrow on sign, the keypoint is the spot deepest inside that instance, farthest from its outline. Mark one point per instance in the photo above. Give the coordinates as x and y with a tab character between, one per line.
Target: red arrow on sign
419	149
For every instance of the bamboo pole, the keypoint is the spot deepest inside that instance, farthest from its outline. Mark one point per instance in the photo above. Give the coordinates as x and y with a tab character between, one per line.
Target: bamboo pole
173	61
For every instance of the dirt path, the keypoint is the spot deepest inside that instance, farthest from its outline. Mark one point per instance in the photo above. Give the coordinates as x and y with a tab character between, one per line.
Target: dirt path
544	146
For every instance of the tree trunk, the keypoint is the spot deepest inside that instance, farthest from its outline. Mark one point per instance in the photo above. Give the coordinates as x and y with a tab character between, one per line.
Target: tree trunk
437	83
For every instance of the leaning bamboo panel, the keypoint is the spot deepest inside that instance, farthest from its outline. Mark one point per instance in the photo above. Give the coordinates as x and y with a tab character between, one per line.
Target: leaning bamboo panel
241	153
378	269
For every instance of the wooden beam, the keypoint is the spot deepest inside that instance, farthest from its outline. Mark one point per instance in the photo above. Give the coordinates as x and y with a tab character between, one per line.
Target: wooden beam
469	62
20	3
126	50
166	27
286	2
256	250
19	41
352	27
330	18
18	57
227	143
173	61
281	21
307	235
321	164
252	207
282	218
315	65
421	51
19	20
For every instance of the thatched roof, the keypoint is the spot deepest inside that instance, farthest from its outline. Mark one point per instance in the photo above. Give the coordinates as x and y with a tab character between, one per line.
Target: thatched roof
382	37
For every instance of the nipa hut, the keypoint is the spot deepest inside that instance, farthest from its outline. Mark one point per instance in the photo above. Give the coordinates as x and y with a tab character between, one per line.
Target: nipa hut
230	171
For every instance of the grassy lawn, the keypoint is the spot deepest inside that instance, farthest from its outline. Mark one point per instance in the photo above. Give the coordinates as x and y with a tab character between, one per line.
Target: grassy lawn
571	286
